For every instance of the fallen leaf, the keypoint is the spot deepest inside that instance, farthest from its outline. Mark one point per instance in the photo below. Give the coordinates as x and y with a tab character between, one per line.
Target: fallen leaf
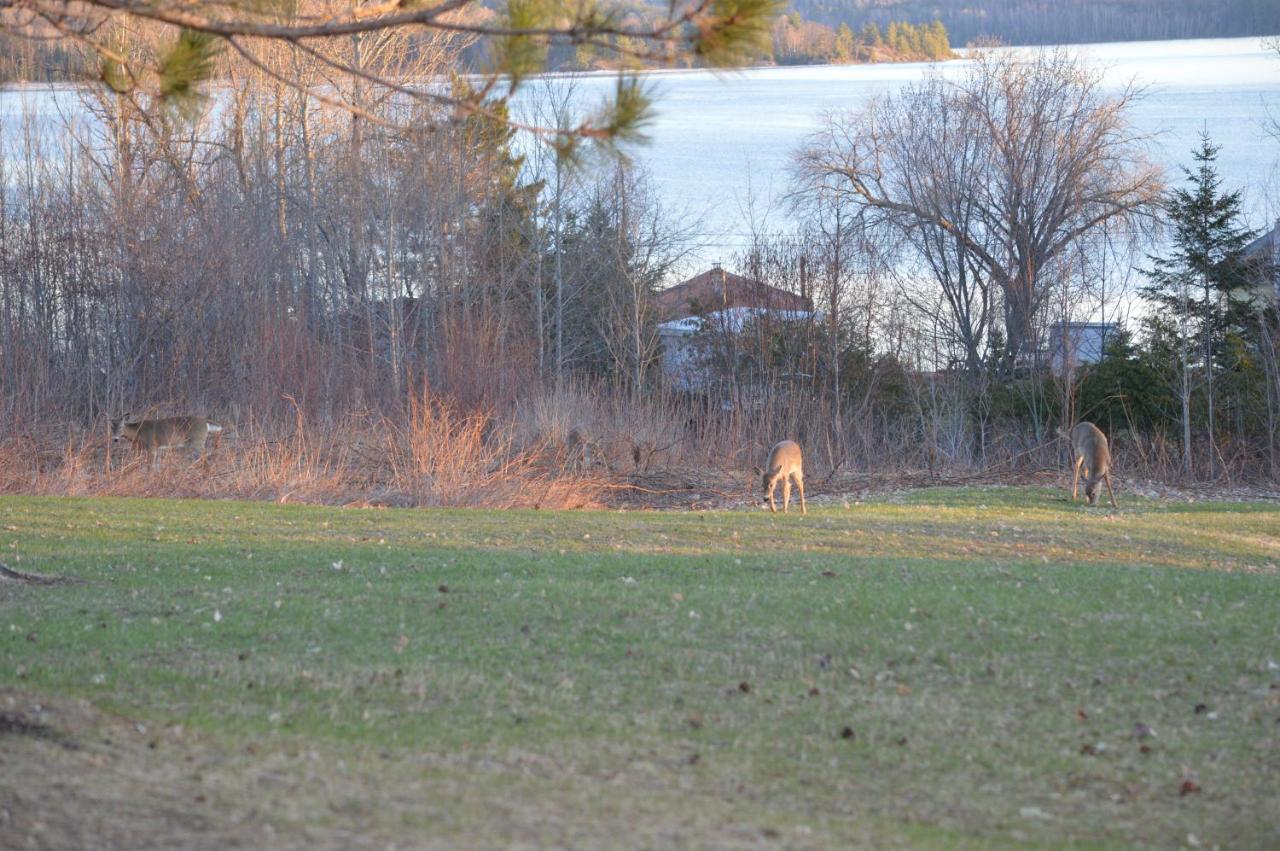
1188	787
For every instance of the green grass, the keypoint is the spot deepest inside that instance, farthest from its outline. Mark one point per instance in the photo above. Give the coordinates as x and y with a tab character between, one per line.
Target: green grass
956	668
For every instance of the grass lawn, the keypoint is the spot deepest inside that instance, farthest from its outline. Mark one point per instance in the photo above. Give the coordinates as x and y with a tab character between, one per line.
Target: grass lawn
952	668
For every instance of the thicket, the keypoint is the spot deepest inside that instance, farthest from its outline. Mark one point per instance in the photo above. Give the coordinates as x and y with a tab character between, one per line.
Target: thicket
798	41
1059	21
303	271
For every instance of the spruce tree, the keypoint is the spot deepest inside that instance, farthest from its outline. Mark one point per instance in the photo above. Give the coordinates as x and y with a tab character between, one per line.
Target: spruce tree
1198	281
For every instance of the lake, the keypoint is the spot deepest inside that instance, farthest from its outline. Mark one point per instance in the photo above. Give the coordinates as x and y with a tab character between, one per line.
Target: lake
719	138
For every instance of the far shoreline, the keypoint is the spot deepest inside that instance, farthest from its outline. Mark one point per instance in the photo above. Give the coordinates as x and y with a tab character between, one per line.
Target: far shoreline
960	54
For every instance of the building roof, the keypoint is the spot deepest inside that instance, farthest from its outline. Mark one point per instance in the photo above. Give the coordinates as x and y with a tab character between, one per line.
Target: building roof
1059	327
1267	245
718	289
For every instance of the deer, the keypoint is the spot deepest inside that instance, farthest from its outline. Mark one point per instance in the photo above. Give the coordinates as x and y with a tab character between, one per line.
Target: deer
155	436
784	464
1089	451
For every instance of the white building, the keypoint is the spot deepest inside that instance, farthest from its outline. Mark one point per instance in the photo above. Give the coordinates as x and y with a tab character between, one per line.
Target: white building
708	311
1073	344
686	342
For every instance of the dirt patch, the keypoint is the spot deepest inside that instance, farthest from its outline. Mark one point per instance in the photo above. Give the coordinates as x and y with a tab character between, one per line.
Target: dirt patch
720	490
17	724
670	490
74	777
704	490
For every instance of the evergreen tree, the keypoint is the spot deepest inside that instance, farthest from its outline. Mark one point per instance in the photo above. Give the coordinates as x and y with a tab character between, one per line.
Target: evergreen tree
1125	390
1201	280
936	41
893	36
844	44
915	38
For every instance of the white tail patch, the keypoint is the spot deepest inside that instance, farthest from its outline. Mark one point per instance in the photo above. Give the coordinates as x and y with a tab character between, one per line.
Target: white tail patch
213	427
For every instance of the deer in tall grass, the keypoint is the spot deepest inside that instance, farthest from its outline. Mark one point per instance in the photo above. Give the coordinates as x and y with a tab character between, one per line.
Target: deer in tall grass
155	436
784	464
1089	451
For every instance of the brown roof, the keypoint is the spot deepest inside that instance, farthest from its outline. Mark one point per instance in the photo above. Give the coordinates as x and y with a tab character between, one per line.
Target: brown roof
717	289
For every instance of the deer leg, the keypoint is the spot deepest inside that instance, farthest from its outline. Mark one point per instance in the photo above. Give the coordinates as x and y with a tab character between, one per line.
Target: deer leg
1107	478
773	485
800	484
1075	483
786	493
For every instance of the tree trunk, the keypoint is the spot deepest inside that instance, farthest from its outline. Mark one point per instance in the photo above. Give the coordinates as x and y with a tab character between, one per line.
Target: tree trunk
1186	389
1208	374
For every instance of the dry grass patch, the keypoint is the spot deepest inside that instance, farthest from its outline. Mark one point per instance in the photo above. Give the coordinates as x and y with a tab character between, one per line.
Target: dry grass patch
434	455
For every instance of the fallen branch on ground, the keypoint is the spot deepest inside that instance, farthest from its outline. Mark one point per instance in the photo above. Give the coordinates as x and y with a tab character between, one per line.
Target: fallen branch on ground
7	572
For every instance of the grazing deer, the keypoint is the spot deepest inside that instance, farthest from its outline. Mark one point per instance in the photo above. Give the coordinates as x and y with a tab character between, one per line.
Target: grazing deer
155	436
784	464
1089	450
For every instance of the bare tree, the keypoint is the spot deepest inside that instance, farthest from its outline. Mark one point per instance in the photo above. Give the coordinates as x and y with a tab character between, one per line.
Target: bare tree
647	243
992	177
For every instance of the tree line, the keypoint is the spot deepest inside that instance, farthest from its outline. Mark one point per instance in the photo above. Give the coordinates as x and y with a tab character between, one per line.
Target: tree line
792	40
1026	22
800	42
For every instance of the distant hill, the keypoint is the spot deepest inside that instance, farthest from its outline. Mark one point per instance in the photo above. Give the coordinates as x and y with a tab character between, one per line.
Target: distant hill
1058	21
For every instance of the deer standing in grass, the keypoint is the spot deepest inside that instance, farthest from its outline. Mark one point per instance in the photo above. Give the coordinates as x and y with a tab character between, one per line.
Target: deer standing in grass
155	436
1089	450
784	465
